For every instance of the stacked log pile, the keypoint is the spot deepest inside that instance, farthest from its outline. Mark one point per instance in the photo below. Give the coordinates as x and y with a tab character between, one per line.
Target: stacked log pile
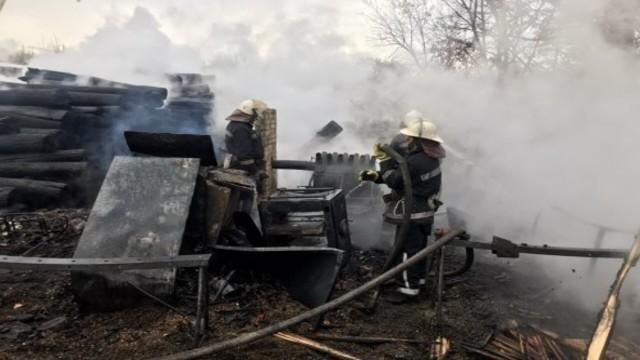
190	97
57	138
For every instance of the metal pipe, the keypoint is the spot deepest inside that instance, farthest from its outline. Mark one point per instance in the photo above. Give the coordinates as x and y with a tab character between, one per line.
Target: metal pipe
345	298
157	299
439	291
403	229
223	286
294	165
101	264
548	250
202	309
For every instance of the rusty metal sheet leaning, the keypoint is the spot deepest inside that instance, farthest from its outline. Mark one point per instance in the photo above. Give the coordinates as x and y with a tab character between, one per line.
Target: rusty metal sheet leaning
141	211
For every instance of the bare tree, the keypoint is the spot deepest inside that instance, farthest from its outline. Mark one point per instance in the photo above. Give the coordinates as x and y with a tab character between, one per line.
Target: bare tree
460	34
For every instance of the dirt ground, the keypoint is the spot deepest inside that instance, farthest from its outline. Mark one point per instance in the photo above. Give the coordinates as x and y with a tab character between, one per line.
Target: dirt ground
40	320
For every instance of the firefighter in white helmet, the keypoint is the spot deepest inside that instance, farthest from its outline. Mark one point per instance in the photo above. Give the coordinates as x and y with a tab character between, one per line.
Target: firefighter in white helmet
244	146
424	155
399	143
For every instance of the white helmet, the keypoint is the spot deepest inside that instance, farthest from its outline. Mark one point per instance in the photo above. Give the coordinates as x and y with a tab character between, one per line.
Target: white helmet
253	106
412	117
423	130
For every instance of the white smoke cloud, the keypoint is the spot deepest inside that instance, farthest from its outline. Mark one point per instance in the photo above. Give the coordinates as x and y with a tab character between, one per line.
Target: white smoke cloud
135	51
538	142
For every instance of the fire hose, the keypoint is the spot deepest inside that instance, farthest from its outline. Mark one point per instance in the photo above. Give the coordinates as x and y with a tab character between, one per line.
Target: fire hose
339	301
401	236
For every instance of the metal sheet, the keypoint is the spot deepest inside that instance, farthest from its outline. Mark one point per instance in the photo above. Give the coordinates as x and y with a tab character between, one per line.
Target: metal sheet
141	211
309	273
172	145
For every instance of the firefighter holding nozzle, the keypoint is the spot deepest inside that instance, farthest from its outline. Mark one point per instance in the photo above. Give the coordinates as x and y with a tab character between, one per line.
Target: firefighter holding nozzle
424	153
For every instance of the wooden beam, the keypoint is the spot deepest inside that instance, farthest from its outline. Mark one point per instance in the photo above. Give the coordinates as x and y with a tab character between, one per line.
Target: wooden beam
602	334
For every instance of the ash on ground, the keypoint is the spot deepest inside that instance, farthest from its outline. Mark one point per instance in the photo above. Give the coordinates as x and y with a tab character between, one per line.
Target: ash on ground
39	318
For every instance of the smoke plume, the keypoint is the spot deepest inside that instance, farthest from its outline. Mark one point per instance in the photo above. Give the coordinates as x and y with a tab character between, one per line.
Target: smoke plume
543	157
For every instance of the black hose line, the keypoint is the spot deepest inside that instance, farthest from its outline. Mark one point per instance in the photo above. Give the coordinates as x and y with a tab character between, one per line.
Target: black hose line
401	236
341	300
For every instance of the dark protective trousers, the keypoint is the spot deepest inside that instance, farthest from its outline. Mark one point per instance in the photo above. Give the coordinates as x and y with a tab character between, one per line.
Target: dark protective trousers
409	280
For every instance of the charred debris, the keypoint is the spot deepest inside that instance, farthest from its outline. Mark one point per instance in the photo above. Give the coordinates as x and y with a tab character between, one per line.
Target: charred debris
168	225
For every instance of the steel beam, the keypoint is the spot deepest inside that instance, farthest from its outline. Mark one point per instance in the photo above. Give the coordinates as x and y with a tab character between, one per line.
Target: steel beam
106	264
123	263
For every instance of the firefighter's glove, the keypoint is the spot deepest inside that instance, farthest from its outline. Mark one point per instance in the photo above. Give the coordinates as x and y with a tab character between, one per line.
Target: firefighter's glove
434	203
379	153
368	175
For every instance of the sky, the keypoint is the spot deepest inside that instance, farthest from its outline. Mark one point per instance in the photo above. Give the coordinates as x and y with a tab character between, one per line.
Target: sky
40	23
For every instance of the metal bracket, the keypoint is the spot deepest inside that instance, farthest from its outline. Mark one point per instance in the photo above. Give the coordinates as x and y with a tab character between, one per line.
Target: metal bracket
504	248
110	264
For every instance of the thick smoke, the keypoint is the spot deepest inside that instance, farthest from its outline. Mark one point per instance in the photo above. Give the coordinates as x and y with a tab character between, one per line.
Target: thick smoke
136	52
542	157
546	154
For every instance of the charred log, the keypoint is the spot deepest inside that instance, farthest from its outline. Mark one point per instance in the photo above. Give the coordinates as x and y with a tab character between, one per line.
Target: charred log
77	98
26	121
45	98
8	196
198	90
42	170
141	101
39	112
60	155
39	131
38	75
59	78
75	120
7	127
126	90
27	143
34	189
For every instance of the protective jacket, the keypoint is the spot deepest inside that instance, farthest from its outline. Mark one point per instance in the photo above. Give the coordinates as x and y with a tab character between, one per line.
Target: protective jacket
426	180
245	147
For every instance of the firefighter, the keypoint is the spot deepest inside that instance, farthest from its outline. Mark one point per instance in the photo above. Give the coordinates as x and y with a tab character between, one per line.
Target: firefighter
399	143
424	155
245	150
244	146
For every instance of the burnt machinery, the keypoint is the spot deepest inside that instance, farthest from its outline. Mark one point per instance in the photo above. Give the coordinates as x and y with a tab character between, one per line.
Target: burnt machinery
331	170
306	217
170	199
340	171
